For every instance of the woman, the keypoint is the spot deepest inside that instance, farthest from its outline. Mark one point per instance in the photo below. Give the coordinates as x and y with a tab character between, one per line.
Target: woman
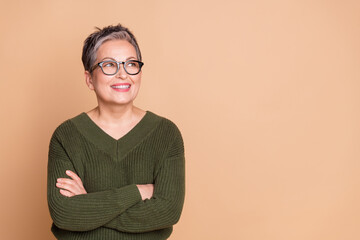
117	171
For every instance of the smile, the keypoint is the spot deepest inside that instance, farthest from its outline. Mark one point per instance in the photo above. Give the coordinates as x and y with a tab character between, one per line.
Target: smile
124	87
121	86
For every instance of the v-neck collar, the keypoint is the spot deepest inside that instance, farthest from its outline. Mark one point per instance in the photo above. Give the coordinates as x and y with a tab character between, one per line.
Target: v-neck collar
116	147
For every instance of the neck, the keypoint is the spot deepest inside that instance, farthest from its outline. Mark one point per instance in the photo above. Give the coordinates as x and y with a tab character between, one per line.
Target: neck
114	114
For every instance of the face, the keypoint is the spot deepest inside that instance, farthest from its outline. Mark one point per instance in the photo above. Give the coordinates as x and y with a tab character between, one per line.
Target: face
121	88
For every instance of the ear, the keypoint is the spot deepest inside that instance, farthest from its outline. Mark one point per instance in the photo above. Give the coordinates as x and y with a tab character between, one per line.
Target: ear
89	80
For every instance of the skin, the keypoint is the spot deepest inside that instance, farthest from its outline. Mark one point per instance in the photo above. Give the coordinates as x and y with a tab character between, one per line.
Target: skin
115	114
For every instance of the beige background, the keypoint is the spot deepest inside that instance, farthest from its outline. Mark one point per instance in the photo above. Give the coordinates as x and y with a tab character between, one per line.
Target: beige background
266	94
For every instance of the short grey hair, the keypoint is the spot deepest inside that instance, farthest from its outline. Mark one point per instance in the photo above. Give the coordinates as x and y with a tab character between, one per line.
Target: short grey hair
96	39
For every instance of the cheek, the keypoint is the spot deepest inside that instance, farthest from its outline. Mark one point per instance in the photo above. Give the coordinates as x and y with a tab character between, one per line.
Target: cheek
101	81
138	78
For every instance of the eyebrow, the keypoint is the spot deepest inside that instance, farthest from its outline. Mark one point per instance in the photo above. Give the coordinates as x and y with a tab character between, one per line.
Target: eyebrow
115	59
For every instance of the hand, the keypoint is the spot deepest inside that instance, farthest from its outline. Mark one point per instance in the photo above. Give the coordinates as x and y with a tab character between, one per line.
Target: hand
70	187
146	190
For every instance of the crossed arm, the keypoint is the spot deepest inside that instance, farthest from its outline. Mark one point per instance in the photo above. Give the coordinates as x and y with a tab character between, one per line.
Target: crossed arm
74	186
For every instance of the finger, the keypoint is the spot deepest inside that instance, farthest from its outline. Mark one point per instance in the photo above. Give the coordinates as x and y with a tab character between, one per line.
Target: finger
66	187
73	176
69	185
66	193
67	181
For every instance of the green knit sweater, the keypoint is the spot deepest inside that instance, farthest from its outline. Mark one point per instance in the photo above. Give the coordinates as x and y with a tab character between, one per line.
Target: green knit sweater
112	209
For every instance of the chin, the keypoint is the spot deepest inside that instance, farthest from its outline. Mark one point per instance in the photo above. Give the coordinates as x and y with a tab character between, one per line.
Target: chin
125	102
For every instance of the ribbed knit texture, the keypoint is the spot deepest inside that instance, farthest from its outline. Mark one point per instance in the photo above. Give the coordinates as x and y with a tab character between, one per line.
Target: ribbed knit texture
112	209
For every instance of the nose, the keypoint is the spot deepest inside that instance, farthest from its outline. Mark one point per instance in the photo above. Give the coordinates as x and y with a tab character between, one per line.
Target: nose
121	73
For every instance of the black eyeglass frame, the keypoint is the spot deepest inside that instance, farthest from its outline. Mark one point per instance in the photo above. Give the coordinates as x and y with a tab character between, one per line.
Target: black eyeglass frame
100	64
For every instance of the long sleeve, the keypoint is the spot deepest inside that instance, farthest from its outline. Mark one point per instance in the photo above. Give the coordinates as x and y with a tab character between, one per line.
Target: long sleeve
87	211
164	208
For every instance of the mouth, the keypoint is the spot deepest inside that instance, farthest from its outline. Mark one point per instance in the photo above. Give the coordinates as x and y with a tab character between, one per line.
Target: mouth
121	87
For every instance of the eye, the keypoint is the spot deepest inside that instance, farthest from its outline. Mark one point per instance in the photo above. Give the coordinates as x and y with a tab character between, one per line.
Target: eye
132	64
109	64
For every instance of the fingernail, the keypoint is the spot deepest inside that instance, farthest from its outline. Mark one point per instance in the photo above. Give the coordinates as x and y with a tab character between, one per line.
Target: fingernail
67	171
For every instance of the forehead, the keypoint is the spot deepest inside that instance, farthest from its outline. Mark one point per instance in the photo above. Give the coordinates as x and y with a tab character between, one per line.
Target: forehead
117	49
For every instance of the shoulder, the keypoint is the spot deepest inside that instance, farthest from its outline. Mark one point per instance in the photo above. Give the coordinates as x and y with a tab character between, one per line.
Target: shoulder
166	124
67	127
170	136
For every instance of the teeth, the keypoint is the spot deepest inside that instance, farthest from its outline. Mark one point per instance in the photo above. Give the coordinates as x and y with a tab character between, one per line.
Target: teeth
121	86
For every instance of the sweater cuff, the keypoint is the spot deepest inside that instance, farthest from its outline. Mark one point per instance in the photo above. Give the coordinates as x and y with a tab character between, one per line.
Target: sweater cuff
127	196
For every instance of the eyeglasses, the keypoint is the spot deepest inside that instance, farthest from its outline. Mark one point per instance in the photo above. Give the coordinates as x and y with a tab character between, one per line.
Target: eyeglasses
111	67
